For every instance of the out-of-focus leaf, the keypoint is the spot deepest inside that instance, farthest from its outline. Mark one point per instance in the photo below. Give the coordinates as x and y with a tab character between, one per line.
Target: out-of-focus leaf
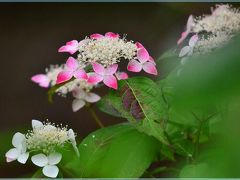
194	171
119	151
207	79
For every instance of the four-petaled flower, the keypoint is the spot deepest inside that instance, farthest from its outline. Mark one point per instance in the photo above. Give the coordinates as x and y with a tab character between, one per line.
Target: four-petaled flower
188	50
19	151
82	97
104	74
144	61
48	163
72	69
70	47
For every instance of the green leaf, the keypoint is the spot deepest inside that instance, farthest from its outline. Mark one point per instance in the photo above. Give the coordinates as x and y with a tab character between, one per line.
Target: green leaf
110	104
119	151
140	101
194	171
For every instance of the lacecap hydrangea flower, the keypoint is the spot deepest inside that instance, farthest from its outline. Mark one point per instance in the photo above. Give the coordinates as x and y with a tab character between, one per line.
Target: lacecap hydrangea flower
210	32
103	53
42	143
49	80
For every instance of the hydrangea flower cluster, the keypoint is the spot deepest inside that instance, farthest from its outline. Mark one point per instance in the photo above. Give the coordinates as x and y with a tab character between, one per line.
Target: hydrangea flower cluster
42	141
50	78
209	32
103	53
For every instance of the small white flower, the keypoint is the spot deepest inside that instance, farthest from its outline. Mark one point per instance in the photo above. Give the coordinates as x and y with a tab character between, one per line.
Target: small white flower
82	97
48	163
188	50
19	152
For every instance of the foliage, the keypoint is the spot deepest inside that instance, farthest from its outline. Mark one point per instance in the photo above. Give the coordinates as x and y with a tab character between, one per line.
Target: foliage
116	151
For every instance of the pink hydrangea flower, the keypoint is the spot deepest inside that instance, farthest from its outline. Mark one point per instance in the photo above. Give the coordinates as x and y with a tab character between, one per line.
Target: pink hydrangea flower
104	74
41	79
70	47
144	62
184	34
71	70
108	34
121	75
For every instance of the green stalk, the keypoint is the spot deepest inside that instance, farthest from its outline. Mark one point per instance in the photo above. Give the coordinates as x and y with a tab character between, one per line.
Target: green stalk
94	116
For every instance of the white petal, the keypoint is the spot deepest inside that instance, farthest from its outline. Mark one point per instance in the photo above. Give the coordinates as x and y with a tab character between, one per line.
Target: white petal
12	154
92	97
193	40
36	124
77	104
23	158
18	139
54	158
40	160
71	134
184	51
50	171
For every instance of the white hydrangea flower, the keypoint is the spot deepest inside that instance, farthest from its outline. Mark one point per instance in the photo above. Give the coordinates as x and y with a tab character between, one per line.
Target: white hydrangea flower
43	139
46	137
48	163
19	152
214	30
81	97
188	50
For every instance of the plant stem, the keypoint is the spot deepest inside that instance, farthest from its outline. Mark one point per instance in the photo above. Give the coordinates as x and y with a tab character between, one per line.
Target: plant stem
95	117
197	140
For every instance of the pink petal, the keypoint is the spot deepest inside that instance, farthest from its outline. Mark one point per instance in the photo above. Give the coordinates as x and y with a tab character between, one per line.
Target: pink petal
96	36
111	69
95	78
70	47
64	76
142	55
151	60
139	45
121	75
110	81
80	74
183	37
72	64
41	79
111	35
98	68
134	66
150	68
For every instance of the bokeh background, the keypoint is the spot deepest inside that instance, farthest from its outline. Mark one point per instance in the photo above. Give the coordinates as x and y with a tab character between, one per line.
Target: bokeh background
31	33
